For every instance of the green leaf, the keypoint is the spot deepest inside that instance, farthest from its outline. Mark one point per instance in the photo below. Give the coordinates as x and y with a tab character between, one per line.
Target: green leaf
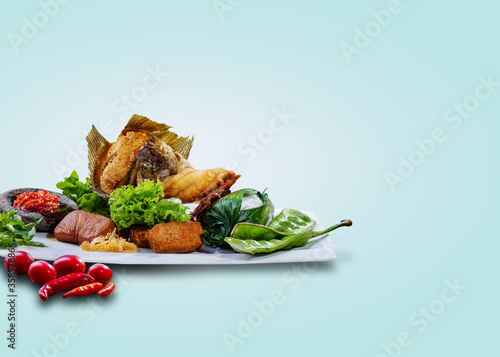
13	231
227	212
141	205
253	246
83	195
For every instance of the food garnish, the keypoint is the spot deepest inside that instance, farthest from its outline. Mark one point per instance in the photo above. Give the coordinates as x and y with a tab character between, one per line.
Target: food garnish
147	150
84	290
101	273
18	262
13	231
67	282
78	283
141	205
107	290
111	242
247	205
288	222
253	246
41	272
68	264
83	195
40	201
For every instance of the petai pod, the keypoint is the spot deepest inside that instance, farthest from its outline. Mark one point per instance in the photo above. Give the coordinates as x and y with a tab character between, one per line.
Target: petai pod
252	246
288	222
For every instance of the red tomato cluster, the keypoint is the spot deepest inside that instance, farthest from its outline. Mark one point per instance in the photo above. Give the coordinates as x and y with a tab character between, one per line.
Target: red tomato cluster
41	202
64	267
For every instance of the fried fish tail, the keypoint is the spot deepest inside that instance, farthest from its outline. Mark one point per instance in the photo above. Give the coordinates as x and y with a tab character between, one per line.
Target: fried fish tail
192	185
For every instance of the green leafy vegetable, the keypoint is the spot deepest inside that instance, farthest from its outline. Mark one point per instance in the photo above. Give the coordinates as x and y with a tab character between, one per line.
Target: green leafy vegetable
13	231
291	221
288	222
245	205
83	195
140	205
252	246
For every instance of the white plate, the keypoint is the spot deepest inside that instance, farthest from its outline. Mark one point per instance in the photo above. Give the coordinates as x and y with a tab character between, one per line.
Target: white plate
318	249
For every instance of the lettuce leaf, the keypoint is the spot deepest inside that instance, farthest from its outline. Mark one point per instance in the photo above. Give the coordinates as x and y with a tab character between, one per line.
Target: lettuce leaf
83	195
141	205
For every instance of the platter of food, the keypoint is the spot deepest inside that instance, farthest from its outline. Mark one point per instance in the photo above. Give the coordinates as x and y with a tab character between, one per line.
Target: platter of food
144	204
318	249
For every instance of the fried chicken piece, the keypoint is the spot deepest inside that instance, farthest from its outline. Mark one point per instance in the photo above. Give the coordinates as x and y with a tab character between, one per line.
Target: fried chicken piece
192	185
176	237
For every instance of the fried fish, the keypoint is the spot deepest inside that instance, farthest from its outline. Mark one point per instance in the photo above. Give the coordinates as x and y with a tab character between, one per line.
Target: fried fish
147	150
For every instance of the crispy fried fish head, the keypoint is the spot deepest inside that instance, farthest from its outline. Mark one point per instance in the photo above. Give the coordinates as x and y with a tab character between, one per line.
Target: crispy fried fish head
156	161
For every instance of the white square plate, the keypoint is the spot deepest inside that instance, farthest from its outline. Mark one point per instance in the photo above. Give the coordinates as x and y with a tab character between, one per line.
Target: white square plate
318	249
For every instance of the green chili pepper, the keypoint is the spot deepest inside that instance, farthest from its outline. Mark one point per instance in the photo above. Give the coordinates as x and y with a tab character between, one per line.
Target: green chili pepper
253	246
288	222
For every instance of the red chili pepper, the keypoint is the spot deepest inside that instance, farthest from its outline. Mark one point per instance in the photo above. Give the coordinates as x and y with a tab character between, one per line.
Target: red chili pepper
88	289
107	290
64	283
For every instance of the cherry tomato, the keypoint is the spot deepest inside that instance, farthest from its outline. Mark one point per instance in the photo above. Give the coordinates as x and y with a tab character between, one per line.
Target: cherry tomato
21	261
41	272
101	273
68	264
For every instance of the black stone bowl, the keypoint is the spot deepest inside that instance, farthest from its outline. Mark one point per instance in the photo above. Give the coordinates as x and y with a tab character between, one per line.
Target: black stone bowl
49	220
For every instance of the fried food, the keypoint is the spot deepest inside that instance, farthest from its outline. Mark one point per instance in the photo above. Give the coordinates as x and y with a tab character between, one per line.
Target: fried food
144	150
193	185
207	202
149	150
139	235
176	238
80	226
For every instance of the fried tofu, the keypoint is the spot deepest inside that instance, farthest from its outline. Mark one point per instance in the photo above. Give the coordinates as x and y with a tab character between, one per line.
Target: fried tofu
176	237
139	235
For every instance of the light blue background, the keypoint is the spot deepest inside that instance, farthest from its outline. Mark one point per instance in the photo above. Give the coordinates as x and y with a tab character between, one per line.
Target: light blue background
352	123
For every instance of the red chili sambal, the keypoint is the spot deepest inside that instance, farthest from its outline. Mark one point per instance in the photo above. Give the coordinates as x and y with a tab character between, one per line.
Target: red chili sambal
41	202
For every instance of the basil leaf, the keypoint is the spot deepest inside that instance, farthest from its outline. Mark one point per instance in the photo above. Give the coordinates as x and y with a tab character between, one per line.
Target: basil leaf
13	231
227	212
